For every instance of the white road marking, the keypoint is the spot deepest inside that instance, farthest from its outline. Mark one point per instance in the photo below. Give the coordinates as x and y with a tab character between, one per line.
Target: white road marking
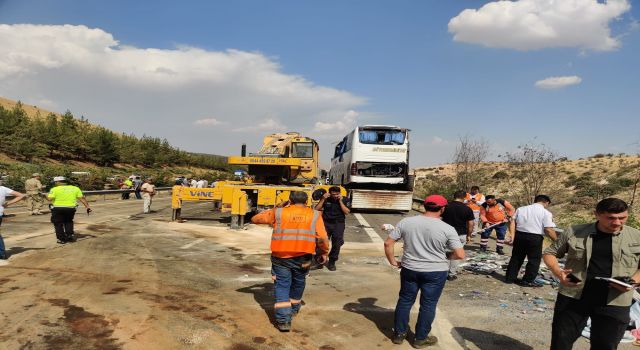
197	241
369	230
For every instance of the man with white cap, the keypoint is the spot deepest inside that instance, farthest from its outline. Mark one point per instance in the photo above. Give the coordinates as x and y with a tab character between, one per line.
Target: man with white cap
32	187
64	200
4	192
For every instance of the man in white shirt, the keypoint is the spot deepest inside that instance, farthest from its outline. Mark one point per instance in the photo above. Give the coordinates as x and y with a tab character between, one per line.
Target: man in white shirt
148	190
528	227
4	192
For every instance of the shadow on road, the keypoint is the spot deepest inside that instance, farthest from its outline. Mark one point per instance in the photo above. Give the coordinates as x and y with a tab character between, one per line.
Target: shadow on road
488	341
380	316
263	295
17	250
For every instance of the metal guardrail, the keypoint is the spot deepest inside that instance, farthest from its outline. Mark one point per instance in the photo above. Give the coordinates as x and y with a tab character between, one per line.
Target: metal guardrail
105	192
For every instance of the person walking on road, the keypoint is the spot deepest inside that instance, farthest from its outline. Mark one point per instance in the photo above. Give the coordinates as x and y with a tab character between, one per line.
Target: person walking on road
605	248
474	199
4	192
64	201
127	184
527	229
460	216
297	231
424	267
137	183
33	187
148	190
495	213
334	209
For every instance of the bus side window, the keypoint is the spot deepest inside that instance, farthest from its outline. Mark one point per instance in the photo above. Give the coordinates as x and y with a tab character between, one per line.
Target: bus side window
337	152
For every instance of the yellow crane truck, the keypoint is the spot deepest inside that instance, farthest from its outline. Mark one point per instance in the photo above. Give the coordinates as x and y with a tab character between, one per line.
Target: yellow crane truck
286	162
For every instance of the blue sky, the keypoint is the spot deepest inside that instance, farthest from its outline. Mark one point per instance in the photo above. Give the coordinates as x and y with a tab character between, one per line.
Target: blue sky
209	75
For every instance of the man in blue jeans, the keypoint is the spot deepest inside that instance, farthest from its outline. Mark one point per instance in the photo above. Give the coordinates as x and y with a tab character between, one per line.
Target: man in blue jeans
297	230
428	245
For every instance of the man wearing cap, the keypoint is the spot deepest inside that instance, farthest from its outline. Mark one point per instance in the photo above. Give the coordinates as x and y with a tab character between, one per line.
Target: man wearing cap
32	187
4	192
64	201
424	267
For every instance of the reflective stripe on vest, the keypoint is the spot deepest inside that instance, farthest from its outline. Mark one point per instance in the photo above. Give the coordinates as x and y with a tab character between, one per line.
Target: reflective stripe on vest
293	239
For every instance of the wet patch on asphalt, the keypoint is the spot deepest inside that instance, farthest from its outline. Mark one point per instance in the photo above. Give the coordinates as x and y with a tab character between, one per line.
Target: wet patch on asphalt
82	329
101	228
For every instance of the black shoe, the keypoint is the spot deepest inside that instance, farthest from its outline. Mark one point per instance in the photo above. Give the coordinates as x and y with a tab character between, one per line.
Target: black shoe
3	256
284	326
483	249
398	338
500	251
331	266
529	284
423	343
452	278
71	239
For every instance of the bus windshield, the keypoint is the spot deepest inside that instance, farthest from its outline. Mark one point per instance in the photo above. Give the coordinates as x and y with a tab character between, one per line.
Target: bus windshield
382	137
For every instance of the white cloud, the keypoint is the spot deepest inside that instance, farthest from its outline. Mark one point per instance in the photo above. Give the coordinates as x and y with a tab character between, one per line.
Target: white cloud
208	121
270	125
437	140
158	91
346	124
558	82
538	24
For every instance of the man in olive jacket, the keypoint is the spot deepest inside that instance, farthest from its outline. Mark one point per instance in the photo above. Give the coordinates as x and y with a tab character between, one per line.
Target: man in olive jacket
606	248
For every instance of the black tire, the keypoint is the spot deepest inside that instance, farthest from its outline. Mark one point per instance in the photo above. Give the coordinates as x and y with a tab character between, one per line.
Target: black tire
410	182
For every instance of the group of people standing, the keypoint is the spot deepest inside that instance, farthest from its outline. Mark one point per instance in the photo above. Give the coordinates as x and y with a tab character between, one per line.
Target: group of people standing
63	199
143	189
433	244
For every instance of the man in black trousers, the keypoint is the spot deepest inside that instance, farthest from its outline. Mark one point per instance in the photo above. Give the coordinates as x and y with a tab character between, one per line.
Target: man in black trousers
528	227
334	208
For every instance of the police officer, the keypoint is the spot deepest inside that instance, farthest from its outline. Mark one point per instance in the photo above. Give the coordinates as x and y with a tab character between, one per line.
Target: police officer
64	201
32	187
334	210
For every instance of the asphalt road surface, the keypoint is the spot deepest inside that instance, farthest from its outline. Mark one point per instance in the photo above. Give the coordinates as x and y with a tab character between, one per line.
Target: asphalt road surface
136	281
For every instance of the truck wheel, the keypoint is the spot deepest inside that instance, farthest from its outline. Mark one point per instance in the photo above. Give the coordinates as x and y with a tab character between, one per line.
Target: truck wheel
410	181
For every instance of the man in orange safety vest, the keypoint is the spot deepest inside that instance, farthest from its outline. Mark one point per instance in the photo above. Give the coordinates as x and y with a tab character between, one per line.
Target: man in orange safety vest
297	229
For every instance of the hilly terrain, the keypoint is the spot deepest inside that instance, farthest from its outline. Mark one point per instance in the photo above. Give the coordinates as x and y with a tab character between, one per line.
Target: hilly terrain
575	186
37	140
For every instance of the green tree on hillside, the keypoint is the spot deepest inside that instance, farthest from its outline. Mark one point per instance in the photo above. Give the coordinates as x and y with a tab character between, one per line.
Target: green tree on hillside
104	147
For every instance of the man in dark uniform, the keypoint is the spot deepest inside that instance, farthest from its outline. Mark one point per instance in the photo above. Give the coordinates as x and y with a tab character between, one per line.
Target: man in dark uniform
460	216
334	209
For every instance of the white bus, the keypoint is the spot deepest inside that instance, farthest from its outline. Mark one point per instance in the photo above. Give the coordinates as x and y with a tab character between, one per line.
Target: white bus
372	162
